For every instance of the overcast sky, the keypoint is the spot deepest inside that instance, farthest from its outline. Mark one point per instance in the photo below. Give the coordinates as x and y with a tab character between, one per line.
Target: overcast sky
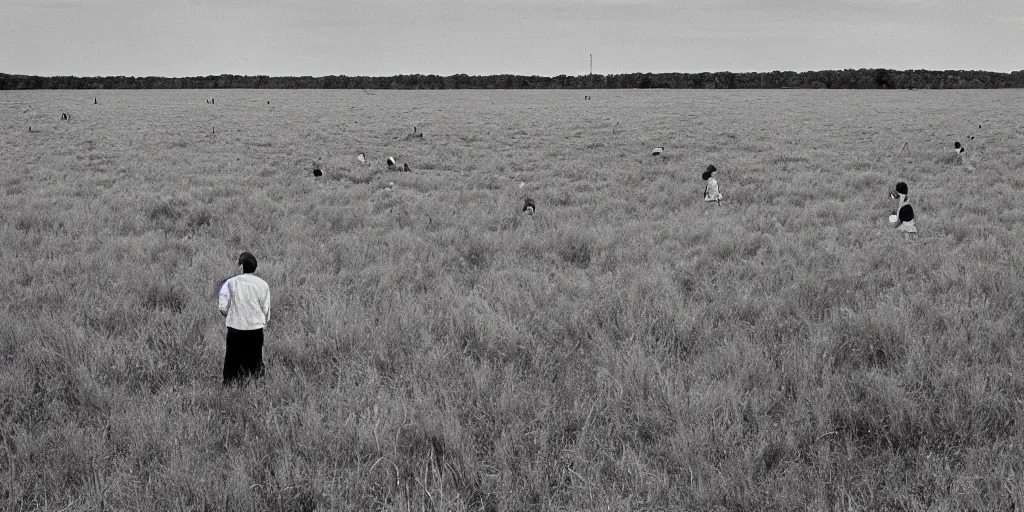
482	37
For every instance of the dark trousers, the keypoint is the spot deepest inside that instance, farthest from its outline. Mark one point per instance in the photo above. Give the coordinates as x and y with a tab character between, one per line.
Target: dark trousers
243	356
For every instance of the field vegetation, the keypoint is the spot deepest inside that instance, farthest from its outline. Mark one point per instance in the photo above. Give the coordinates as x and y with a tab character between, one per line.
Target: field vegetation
628	347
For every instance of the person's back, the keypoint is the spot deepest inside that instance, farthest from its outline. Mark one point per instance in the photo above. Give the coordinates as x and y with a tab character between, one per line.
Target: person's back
904	212
245	300
711	191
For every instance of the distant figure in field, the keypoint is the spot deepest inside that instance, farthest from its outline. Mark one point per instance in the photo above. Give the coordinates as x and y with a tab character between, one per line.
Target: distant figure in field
711	191
361	158
903	217
406	167
961	155
529	206
317	172
245	302
96	101
391	162
212	102
64	116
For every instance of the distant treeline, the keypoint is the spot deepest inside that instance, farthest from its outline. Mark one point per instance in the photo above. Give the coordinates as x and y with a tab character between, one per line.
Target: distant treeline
839	79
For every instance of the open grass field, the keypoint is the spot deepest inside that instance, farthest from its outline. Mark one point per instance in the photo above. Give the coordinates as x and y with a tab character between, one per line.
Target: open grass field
628	347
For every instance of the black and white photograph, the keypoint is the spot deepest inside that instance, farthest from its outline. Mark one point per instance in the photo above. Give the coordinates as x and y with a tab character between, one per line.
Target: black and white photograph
511	255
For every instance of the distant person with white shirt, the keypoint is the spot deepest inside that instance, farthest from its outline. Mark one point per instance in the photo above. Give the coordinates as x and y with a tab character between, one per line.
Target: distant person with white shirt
711	192
245	302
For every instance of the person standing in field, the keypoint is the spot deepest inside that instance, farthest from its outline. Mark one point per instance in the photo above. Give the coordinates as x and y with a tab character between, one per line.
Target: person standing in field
904	212
711	191
961	155
244	300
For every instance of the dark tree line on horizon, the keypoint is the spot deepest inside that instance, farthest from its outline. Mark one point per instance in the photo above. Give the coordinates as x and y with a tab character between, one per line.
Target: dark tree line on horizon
830	79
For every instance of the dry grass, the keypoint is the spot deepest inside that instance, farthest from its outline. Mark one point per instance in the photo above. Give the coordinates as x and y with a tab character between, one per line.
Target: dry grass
627	347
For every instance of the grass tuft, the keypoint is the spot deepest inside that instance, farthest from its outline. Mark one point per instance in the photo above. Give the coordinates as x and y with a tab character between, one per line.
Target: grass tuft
161	296
576	249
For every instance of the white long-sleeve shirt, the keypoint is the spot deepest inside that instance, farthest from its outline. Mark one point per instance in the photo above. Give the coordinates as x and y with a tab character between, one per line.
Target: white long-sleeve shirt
245	301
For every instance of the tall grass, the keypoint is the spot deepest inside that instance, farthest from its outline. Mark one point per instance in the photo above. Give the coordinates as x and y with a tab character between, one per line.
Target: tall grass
626	347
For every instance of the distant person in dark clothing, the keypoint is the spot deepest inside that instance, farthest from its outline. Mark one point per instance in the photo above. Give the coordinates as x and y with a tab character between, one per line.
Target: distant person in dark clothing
529	206
904	214
244	300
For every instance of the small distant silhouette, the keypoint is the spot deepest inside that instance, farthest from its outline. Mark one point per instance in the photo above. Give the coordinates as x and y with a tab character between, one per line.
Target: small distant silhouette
317	172
658	150
414	134
30	129
361	158
961	156
406	167
391	162
95	101
711	190
529	206
64	116
904	212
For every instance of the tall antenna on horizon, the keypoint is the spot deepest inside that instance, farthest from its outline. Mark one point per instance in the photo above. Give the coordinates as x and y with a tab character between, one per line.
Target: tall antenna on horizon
591	64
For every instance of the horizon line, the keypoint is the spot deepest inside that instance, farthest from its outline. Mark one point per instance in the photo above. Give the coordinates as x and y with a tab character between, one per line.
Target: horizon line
537	76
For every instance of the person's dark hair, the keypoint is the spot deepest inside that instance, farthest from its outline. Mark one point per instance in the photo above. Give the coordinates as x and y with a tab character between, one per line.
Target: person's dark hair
906	214
529	205
707	173
901	187
248	262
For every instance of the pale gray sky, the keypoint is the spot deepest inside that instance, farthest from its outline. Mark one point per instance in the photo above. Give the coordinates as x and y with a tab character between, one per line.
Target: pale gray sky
482	37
